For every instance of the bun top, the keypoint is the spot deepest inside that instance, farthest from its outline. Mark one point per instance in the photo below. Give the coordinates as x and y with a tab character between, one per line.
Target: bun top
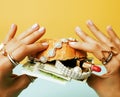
59	49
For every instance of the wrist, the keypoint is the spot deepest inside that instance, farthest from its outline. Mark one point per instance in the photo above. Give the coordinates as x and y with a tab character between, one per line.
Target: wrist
109	89
109	94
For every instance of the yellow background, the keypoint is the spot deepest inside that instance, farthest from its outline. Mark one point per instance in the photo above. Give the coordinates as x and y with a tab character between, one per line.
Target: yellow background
58	16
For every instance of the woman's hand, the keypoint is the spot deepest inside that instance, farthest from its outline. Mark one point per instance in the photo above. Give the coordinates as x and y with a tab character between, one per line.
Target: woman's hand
18	47
107	50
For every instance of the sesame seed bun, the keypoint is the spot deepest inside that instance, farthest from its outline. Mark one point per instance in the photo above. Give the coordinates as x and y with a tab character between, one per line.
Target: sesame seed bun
65	52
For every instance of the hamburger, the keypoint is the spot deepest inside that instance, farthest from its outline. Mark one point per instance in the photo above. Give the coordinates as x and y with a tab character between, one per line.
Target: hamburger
61	61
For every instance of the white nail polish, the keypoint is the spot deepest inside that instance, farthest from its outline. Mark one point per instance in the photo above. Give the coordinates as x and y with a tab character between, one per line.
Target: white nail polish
89	22
77	29
45	44
12	26
109	27
72	43
41	29
35	26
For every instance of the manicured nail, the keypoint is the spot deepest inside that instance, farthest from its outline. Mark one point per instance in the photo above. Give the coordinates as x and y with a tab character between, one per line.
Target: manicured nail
77	29
13	25
45	44
89	22
72	43
109	27
41	29
35	26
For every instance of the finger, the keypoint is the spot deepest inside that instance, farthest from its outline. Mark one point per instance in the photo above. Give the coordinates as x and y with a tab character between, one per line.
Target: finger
113	36
37	47
18	55
95	48
34	36
11	33
81	46
93	80
100	36
35	27
83	36
14	76
23	51
20	83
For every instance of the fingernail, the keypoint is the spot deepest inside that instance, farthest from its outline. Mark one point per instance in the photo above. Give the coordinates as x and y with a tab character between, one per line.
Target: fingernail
89	22
72	43
35	26
77	29
45	44
109	27
13	25
41	29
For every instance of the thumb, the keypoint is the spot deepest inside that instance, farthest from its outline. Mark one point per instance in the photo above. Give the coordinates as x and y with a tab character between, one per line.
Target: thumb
93	80
20	83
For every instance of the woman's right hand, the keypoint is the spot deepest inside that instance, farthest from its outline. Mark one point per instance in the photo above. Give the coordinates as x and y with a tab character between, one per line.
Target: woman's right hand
18	47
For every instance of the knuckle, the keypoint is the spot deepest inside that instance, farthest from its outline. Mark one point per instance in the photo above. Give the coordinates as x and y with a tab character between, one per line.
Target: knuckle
96	46
24	48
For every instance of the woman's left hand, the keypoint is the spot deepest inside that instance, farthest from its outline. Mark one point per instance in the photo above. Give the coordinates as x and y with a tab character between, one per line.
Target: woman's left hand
107	50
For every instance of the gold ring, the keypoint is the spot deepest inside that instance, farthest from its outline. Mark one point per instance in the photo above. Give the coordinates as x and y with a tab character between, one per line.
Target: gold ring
105	60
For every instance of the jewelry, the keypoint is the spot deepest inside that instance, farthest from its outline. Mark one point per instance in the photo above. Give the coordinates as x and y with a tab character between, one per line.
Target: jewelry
1	46
2	49
10	57
105	60
12	60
